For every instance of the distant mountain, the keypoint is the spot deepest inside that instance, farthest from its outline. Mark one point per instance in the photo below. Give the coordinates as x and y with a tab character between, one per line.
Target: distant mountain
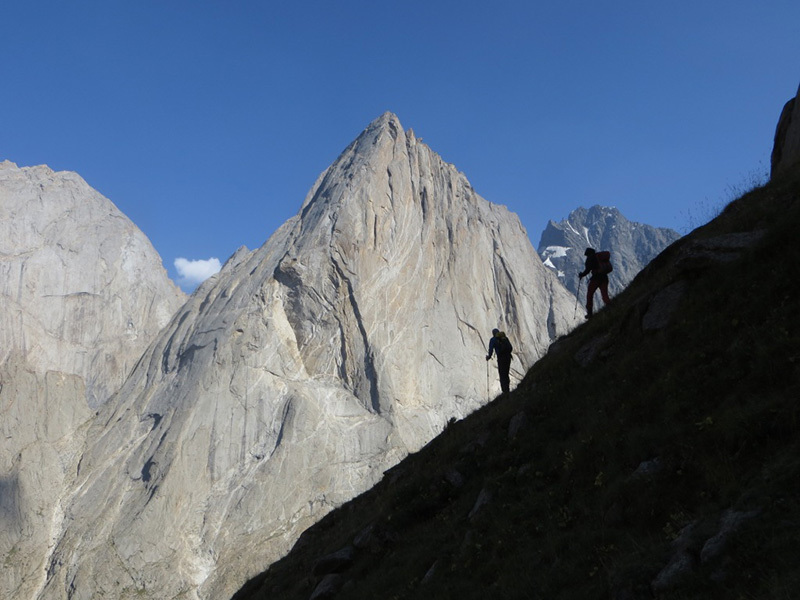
632	245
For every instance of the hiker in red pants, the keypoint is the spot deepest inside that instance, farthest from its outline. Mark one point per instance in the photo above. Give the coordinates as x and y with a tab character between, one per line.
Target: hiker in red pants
599	265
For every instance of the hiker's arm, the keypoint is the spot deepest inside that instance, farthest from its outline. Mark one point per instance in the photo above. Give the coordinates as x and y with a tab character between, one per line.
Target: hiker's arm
591	265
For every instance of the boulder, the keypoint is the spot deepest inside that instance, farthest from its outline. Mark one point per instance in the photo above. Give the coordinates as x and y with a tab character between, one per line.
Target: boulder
786	147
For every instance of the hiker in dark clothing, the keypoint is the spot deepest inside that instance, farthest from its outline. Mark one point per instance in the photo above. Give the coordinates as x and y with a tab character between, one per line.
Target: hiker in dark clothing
502	346
598	280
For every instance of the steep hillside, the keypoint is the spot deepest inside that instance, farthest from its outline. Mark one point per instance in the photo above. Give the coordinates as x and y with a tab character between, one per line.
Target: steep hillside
654	452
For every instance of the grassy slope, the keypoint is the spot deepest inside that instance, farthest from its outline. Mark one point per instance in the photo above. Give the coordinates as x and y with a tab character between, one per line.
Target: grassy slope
713	397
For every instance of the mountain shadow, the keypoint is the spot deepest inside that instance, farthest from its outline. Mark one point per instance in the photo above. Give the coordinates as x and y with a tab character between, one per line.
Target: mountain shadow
652	453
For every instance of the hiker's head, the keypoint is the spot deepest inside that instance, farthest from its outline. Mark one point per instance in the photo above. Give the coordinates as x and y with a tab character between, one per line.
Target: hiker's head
589	252
495	331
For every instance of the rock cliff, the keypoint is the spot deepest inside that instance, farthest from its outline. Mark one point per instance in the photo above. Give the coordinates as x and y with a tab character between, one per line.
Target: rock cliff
295	377
786	149
82	294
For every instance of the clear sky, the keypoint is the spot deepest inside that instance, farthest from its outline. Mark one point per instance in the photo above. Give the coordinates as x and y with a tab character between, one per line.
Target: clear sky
206	122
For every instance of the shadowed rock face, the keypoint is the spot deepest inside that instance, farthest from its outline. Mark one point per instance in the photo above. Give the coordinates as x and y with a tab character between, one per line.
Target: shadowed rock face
786	149
296	376
82	294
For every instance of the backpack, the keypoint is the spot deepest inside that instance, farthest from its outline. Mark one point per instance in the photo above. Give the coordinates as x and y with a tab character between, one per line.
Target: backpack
503	345
604	262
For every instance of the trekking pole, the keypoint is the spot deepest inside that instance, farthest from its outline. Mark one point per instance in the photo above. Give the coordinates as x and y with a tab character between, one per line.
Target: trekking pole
577	297
487	382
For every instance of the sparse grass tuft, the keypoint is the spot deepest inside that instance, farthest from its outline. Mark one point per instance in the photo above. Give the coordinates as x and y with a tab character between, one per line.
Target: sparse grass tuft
706	210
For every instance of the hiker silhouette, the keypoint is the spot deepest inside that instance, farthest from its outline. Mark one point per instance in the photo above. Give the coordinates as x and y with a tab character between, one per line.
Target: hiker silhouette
501	345
599	265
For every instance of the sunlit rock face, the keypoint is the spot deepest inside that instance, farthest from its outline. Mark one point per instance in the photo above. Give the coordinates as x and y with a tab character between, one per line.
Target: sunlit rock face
632	245
82	289
786	149
295	377
82	295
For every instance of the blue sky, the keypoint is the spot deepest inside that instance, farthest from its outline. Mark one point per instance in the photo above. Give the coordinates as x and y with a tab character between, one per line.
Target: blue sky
207	122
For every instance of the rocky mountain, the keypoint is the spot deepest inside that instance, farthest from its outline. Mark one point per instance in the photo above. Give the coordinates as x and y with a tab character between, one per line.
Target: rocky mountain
291	380
83	290
632	245
82	295
654	452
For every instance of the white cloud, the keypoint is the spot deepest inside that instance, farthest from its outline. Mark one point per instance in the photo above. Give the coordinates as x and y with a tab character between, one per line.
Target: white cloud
192	273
